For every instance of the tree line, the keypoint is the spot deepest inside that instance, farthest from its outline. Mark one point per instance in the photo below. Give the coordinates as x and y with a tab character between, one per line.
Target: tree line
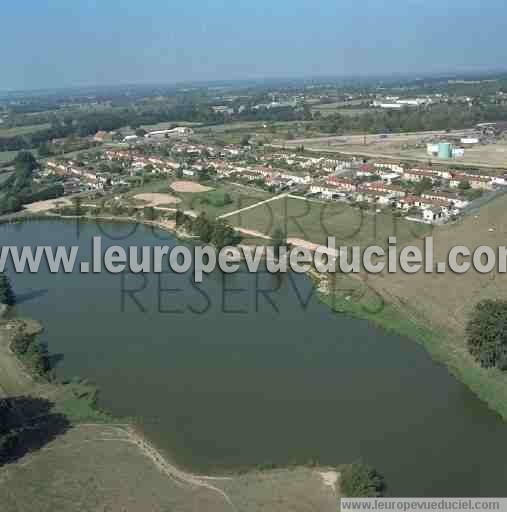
437	117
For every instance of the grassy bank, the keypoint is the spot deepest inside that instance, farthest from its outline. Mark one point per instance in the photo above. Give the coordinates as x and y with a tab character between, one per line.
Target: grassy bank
76	399
490	385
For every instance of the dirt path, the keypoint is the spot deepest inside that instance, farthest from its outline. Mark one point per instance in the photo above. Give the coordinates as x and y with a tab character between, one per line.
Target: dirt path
128	435
230	214
14	380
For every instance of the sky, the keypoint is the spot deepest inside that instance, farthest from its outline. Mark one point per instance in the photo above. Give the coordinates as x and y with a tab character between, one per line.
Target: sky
62	43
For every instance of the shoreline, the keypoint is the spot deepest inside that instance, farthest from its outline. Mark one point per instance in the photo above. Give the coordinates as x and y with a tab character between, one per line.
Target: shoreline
125	431
32	386
485	384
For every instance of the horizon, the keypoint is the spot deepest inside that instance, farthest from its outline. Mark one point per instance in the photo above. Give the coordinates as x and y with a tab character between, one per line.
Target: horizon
477	73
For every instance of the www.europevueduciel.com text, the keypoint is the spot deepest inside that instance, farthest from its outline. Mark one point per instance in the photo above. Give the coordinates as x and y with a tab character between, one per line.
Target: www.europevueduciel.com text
205	258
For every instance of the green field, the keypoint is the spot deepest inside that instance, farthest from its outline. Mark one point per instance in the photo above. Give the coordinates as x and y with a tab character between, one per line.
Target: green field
314	221
23	130
241	196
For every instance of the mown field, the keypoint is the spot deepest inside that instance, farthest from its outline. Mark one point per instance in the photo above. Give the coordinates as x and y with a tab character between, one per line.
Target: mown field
314	221
210	202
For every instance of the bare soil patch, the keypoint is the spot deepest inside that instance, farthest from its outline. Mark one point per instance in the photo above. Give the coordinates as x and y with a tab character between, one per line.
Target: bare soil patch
43	206
189	186
155	199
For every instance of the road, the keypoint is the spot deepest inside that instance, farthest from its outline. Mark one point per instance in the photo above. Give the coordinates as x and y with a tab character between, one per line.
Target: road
230	214
379	137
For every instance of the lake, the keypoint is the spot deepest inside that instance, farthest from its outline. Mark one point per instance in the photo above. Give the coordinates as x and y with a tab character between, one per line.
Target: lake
247	369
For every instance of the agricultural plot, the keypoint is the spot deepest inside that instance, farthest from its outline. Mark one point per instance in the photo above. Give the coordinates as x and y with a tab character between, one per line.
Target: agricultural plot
446	299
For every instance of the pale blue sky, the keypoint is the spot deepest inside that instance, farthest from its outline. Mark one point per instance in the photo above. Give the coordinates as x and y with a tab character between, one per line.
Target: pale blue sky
59	43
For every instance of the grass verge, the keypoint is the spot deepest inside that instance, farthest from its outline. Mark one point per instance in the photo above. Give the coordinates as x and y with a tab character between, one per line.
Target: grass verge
490	385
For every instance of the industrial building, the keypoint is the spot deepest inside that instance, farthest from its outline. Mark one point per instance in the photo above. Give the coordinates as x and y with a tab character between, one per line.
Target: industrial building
444	151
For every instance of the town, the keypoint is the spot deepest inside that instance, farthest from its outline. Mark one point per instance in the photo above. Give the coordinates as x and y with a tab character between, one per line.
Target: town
430	194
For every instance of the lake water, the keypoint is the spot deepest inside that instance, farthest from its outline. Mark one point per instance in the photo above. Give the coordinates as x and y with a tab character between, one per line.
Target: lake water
226	374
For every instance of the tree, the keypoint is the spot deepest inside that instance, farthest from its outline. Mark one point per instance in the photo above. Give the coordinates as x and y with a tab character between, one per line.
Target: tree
6	294
179	218
473	193
141	132
245	140
307	112
21	343
203	228
27	424
423	186
278	240
464	185
44	150
149	213
358	480
10	204
204	174
486	333
224	235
